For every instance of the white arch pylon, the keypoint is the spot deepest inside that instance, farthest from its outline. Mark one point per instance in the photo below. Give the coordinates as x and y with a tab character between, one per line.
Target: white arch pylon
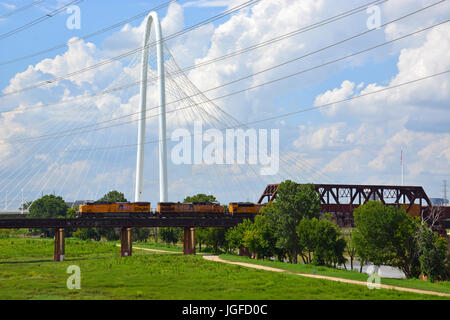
152	19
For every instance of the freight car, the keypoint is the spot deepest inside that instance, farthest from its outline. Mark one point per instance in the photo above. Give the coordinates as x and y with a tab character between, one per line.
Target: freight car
244	207
191	207
99	209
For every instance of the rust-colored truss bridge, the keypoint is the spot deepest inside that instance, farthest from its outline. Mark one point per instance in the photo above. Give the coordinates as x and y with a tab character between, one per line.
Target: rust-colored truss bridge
340	200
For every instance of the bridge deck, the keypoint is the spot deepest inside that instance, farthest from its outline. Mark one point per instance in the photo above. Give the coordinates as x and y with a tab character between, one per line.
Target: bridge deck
171	220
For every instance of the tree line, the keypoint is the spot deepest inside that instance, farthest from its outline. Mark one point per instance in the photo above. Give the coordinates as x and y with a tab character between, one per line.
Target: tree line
292	227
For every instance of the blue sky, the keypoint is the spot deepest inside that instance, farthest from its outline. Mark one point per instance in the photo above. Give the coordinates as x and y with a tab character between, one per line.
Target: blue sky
356	142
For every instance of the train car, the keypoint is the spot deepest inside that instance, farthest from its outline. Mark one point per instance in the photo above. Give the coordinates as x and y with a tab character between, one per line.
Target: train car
244	207
191	207
113	209
167	207
93	209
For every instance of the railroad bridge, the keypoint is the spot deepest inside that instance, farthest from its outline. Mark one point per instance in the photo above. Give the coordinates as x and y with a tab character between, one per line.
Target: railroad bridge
186	221
341	199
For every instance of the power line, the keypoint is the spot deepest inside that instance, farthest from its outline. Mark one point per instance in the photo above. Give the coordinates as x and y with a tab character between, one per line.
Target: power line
71	132
232	54
95	33
38	20
128	53
288	114
21	9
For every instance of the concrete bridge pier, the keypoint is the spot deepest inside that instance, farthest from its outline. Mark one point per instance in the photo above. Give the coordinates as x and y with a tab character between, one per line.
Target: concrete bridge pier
125	242
60	248
189	241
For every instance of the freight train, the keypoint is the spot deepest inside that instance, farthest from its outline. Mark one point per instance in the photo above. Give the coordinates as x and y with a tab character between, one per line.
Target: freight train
100	209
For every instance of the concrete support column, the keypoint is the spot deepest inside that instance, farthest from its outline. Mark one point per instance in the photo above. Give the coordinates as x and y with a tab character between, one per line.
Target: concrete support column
125	242
189	241
60	248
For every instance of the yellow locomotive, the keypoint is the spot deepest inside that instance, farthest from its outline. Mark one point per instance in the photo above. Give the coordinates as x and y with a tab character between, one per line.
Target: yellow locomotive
100	209
114	209
191	207
244	207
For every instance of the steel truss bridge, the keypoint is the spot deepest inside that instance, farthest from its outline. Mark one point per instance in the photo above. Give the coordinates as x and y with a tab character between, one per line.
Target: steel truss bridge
340	200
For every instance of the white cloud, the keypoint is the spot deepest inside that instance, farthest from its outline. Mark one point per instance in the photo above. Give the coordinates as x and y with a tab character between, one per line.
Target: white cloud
356	142
8	6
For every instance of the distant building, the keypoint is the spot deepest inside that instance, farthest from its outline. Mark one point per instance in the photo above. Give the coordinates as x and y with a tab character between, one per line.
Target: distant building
439	201
14	211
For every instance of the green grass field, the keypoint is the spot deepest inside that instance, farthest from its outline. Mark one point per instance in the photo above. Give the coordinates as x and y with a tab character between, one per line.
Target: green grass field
28	272
345	274
159	246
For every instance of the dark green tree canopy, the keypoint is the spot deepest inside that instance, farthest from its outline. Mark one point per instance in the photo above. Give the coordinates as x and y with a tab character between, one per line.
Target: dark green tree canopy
113	196
201	197
49	206
293	203
386	235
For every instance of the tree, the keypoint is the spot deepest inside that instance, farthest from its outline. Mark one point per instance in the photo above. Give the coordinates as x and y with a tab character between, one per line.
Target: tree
201	197
201	235
386	235
49	206
258	236
350	249
113	196
433	251
322	239
215	238
170	235
293	203
330	246
235	235
87	234
307	234
140	234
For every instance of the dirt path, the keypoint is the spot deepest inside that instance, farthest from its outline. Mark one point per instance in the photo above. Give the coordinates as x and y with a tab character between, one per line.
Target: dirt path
362	283
153	250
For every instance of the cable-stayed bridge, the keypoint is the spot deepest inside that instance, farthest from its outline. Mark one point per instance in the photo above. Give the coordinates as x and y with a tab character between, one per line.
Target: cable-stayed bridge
88	145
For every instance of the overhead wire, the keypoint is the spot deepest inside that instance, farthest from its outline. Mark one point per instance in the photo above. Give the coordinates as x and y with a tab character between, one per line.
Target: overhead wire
228	94
133	51
235	53
38	20
15	11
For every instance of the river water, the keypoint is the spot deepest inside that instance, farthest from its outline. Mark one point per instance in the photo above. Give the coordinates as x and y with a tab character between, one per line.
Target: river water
383	271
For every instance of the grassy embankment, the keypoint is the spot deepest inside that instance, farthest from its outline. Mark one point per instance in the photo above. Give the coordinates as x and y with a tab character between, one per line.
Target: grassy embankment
309	269
342	273
28	272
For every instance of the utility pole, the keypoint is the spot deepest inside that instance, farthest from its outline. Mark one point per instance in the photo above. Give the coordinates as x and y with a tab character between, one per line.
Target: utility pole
445	193
401	163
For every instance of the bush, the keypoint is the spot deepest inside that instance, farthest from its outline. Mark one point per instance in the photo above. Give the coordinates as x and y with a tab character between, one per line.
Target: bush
323	240
170	235
386	235
433	250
